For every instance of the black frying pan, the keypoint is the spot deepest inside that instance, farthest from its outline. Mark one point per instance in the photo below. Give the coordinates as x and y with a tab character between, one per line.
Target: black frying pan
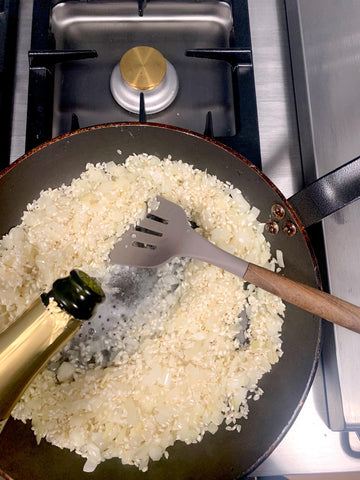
225	455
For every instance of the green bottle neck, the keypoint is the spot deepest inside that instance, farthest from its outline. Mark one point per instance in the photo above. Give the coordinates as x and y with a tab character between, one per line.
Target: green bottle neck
78	294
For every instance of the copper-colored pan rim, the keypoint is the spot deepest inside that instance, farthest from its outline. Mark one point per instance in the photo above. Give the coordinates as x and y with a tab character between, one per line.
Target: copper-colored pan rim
294	214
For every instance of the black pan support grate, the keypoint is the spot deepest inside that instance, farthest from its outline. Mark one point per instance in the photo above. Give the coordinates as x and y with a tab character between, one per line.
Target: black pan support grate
8	40
43	57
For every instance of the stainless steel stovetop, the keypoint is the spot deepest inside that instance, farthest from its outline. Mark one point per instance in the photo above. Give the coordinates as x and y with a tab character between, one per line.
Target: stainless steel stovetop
329	119
117	28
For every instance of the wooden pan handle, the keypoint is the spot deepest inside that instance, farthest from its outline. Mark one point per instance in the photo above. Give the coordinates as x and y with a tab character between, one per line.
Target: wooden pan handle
310	299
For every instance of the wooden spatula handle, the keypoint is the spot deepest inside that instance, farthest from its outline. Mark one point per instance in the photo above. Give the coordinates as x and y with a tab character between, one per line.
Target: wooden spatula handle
310	299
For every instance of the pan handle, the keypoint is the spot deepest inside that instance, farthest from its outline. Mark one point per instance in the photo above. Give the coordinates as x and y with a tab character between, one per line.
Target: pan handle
310	299
328	194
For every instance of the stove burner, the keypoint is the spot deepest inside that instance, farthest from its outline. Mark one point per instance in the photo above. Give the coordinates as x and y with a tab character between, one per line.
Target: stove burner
144	69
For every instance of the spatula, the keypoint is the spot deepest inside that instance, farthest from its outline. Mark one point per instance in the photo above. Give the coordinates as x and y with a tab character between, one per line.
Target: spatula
165	233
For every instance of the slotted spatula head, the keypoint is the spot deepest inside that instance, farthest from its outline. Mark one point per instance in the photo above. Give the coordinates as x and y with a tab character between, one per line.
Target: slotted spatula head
165	233
155	239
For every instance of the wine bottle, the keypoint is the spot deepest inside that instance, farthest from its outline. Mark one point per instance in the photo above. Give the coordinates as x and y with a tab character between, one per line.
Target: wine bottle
41	331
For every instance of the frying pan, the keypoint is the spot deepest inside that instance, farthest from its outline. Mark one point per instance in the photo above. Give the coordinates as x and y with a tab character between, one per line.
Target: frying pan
225	455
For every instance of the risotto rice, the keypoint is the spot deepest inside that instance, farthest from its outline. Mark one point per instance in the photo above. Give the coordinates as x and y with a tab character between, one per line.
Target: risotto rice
184	369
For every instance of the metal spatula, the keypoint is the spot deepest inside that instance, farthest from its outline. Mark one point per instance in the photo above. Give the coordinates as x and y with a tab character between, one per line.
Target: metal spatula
166	233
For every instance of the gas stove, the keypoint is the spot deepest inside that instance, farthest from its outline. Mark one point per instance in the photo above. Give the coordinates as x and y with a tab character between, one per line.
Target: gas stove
252	74
99	42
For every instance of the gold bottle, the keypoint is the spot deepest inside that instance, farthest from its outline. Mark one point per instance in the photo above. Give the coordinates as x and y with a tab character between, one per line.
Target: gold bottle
41	331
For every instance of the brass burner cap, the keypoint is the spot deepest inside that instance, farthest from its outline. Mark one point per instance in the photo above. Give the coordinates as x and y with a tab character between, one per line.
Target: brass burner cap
143	68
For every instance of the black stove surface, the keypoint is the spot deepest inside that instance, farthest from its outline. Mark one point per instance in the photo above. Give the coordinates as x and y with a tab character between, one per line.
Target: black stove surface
8	30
